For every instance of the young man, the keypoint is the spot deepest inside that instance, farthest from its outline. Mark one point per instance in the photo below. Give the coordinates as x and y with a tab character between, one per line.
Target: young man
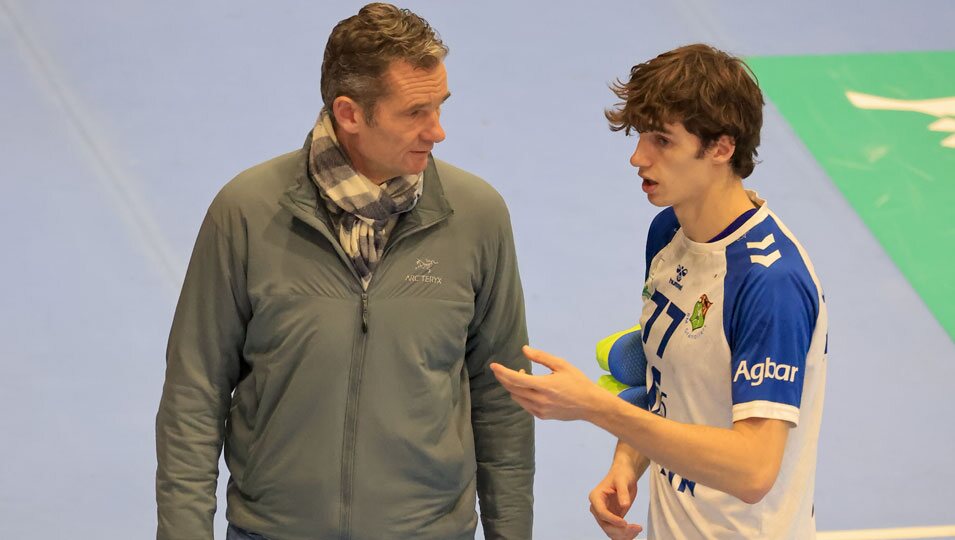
337	320
734	325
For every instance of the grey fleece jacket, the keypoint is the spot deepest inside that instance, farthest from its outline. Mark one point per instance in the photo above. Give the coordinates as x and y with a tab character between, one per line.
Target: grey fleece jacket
346	414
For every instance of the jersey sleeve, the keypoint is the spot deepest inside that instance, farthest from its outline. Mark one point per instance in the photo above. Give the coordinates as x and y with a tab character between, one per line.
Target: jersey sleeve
775	306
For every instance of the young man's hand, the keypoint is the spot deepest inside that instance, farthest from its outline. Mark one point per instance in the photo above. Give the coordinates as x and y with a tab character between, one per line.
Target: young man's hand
564	394
612	498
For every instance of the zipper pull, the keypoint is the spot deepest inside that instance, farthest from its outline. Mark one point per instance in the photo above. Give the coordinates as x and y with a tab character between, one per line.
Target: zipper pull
364	312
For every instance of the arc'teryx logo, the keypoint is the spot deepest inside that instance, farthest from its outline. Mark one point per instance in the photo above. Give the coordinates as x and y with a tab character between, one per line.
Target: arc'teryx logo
681	272
426	265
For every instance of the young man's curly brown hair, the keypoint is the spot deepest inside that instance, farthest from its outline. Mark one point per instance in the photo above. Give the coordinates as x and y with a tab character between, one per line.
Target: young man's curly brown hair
361	47
707	90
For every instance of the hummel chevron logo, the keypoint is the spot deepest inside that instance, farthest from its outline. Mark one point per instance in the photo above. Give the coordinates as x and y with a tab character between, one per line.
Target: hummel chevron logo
765	260
763	244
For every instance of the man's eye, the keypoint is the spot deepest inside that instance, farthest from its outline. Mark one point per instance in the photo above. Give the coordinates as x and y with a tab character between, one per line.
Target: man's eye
662	141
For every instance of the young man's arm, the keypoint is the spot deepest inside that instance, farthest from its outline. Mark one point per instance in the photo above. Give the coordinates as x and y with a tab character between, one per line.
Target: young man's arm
742	461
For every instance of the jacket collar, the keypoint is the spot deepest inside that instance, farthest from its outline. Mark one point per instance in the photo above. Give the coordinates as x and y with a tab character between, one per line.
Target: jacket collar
303	199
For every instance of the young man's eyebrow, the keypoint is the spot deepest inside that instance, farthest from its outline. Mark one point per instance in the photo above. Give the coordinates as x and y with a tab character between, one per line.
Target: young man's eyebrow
662	130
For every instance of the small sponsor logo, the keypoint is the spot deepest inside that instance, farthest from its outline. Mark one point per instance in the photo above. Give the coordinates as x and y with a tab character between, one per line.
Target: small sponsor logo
767	369
681	272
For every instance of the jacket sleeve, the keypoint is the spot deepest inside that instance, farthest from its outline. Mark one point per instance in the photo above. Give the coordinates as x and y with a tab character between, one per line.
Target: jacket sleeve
202	368
503	431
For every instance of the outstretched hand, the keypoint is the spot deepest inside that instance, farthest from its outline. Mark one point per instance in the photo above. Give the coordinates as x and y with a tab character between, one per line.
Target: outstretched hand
564	394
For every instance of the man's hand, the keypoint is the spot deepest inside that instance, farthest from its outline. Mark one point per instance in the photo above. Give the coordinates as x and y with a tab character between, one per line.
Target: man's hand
564	394
612	498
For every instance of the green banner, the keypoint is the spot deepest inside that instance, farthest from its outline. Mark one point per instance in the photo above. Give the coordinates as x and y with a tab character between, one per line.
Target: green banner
883	127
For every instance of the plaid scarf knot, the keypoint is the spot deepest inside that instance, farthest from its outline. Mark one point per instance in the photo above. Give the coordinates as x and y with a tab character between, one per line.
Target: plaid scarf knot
361	209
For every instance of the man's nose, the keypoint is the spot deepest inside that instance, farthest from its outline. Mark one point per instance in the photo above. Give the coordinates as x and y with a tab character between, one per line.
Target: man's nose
435	133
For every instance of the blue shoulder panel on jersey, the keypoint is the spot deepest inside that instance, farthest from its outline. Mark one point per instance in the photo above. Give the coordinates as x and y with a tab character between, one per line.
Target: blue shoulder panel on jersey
771	308
662	229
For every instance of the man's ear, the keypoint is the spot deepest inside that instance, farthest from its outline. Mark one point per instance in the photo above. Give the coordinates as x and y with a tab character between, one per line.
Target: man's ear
348	114
722	150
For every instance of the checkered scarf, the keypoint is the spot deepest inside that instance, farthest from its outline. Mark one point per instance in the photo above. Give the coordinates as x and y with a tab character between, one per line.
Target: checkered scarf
362	210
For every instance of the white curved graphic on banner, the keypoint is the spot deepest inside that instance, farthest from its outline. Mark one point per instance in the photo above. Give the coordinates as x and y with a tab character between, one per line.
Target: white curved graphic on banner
943	108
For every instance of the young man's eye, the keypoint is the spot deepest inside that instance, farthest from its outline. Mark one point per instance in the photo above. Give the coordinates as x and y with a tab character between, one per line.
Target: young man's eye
663	141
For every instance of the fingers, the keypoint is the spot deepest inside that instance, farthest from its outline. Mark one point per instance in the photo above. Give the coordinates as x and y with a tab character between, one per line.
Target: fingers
545	359
528	405
609	503
623	493
602	512
512	379
632	531
607	519
524	395
626	531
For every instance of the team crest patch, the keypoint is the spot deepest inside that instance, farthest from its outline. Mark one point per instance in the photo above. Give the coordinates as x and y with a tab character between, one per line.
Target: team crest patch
698	318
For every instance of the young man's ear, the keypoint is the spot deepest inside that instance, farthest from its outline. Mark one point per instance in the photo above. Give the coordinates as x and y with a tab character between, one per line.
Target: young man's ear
348	114
722	149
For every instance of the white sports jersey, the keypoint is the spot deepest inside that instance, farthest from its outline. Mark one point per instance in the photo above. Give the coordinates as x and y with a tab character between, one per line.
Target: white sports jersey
735	329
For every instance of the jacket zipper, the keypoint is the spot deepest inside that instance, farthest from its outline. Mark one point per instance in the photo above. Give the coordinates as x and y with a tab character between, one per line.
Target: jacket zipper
351	420
354	388
355	370
364	313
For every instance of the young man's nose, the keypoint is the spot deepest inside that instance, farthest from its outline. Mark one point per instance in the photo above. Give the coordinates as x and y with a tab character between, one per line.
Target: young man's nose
639	157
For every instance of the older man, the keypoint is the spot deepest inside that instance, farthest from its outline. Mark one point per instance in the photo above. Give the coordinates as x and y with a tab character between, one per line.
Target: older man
337	320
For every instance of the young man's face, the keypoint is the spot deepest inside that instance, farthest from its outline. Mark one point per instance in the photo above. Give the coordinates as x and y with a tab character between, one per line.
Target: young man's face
671	166
406	123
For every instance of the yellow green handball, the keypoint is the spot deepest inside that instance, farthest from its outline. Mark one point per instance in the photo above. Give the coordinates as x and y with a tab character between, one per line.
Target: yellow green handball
607	382
622	355
605	344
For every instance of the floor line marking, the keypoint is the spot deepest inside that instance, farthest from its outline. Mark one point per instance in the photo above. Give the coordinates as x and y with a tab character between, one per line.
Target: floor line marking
900	533
120	185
